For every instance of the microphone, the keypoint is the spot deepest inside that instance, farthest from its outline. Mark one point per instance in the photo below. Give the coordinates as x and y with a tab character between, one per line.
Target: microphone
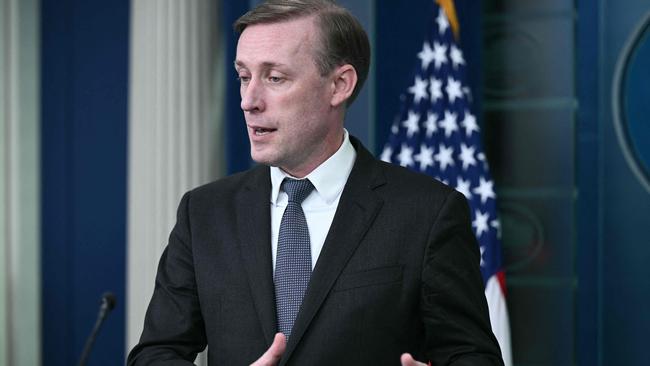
108	303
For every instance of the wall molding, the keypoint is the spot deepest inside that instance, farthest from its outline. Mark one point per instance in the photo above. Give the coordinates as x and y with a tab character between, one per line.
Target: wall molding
619	116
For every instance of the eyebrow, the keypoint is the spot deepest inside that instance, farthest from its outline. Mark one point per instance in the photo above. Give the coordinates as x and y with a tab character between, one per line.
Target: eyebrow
266	64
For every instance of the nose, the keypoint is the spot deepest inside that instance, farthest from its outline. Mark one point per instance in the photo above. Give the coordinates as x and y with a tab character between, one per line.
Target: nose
251	97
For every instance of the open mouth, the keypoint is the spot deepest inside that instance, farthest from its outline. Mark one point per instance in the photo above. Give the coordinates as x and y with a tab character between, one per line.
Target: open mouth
259	131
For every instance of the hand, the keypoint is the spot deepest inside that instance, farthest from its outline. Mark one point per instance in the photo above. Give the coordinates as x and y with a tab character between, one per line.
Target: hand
407	360
272	355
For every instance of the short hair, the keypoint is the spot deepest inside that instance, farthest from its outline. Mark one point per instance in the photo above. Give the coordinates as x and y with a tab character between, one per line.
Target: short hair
343	39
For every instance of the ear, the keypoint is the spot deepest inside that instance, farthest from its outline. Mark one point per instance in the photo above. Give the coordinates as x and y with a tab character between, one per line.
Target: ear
345	79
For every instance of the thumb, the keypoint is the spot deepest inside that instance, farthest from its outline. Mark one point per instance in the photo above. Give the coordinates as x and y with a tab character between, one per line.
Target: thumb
407	360
272	355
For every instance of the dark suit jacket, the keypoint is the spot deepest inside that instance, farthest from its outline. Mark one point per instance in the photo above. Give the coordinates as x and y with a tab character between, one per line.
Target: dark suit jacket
399	272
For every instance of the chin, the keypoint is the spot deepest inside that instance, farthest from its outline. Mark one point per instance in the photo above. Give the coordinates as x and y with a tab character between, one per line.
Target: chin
262	158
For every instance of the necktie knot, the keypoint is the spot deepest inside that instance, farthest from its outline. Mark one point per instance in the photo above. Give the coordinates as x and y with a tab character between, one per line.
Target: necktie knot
297	189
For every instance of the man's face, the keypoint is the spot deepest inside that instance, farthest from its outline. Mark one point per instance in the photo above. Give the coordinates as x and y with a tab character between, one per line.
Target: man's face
286	101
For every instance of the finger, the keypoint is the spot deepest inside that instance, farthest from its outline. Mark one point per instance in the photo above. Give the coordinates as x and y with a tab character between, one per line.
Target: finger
277	347
272	355
407	360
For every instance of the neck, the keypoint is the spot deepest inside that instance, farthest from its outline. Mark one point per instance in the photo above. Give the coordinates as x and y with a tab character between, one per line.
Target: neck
329	149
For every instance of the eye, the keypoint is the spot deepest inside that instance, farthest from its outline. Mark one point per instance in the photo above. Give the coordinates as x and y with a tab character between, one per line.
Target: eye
275	79
244	79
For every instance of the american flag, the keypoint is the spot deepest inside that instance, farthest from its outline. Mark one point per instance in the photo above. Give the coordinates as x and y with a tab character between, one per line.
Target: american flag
437	134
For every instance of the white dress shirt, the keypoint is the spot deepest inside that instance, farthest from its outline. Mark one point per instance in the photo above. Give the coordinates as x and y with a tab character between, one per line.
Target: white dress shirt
328	179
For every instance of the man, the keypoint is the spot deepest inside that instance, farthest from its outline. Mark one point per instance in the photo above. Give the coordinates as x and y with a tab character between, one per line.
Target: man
371	265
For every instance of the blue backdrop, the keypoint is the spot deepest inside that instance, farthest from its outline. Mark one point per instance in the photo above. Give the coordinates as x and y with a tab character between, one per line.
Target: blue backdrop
84	123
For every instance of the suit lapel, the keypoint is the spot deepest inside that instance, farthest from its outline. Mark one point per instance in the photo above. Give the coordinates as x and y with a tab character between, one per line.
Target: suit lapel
254	226
356	211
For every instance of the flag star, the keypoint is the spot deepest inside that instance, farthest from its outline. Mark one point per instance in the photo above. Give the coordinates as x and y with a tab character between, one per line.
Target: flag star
497	225
482	248
425	157
442	21
467	155
419	89
439	54
435	89
387	153
453	89
394	129
426	55
439	179
431	124
485	189
405	156
411	123
456	56
481	158
481	222
444	156
468	93
469	124
462	186
449	123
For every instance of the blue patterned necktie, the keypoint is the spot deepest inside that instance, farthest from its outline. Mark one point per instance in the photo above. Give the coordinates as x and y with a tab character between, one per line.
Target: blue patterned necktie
293	260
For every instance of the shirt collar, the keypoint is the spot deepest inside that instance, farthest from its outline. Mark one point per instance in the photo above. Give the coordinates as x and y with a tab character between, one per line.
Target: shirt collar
329	178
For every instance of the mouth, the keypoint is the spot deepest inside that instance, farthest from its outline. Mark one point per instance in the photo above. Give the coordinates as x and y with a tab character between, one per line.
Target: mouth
261	131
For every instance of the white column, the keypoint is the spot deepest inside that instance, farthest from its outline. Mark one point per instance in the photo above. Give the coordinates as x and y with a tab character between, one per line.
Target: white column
20	334
175	128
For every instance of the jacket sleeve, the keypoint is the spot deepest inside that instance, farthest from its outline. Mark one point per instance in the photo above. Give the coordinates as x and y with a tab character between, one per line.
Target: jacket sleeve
173	328
454	308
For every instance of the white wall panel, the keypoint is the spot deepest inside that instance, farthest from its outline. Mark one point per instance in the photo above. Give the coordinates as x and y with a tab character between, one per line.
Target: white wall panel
175	128
20	333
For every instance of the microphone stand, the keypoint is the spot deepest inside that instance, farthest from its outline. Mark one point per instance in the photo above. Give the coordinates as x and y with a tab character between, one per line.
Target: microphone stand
108	303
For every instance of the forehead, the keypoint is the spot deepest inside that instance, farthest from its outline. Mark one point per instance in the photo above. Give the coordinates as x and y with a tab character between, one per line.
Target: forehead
284	42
